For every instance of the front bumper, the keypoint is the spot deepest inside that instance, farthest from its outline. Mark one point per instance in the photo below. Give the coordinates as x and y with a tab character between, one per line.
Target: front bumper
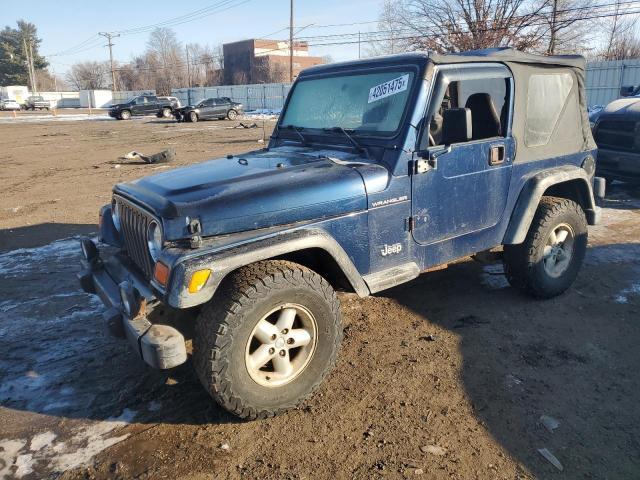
160	346
617	165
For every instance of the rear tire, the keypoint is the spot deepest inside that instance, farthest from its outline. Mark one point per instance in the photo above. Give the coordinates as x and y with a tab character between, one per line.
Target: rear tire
549	259
268	338
193	117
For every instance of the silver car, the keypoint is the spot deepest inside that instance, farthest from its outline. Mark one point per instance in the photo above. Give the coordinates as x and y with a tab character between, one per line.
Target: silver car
9	105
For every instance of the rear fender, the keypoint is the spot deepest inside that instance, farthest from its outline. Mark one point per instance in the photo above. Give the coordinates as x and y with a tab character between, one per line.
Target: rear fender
567	181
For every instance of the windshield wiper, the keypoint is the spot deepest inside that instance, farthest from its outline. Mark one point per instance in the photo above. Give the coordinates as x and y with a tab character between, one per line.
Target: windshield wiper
353	141
297	129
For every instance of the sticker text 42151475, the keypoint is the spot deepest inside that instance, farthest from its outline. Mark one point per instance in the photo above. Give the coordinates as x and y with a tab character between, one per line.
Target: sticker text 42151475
389	88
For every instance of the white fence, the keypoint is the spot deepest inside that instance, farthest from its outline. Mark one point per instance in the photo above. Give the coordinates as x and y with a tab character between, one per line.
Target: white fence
61	99
270	96
604	79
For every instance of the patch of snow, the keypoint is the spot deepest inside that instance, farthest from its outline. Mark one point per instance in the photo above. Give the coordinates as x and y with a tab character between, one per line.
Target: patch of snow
28	118
42	440
263	114
24	465
89	441
623	296
86	442
8	455
13	262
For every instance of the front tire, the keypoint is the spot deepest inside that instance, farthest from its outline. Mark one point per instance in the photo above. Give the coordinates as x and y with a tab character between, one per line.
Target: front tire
193	117
166	112
268	338
125	115
232	114
548	261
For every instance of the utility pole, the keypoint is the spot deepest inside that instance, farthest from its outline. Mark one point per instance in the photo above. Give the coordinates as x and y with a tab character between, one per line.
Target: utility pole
109	36
291	43
28	64
33	68
186	47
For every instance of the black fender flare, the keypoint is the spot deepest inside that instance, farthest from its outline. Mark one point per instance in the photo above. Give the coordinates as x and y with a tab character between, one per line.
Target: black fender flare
534	189
225	260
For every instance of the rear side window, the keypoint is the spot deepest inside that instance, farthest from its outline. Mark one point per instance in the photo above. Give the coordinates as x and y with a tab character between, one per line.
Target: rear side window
547	97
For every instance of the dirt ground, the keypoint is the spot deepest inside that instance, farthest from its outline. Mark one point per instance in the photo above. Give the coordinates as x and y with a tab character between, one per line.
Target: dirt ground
445	377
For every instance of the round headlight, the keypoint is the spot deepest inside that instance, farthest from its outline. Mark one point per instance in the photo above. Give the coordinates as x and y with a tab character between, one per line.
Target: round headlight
115	214
154	240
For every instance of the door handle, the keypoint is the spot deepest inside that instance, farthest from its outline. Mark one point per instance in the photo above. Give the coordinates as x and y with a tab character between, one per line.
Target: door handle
496	155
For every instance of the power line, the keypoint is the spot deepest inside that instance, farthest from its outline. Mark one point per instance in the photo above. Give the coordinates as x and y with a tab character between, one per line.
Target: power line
109	36
408	30
94	41
189	17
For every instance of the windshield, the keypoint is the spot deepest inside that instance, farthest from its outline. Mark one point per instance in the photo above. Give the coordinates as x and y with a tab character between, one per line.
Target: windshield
369	102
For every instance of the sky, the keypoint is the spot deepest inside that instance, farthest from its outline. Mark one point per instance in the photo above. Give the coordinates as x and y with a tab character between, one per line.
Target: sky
63	24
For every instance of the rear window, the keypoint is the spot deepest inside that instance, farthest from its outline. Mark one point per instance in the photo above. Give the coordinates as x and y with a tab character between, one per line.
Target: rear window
548	94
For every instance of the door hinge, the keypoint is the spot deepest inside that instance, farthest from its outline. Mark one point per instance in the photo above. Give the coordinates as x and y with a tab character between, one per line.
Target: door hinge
410	224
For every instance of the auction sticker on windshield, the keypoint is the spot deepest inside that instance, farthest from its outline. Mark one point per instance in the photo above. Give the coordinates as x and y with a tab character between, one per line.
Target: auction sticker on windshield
389	88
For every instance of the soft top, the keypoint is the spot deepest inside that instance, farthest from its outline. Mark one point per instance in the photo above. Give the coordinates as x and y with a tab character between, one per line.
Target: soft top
505	54
508	55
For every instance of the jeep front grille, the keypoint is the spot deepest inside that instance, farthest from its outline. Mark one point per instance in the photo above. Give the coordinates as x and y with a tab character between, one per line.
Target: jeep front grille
616	135
134	224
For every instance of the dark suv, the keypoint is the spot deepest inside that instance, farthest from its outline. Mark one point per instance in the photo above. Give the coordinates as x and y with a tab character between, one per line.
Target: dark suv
142	105
616	129
221	107
378	170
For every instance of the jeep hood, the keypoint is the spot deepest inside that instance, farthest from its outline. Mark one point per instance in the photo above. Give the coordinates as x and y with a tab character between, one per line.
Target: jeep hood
257	190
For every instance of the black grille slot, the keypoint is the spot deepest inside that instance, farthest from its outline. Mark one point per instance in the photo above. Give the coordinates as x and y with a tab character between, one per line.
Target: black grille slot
134	224
616	135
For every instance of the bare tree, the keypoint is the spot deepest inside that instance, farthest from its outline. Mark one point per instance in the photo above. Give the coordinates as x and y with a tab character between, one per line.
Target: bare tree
89	75
565	27
166	57
205	64
624	45
458	25
386	40
621	34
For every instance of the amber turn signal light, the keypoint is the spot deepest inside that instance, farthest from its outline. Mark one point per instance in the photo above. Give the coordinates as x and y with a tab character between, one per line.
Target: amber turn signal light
198	280
161	273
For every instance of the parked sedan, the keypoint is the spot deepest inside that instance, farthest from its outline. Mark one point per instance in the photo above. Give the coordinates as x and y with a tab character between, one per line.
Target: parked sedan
222	107
9	105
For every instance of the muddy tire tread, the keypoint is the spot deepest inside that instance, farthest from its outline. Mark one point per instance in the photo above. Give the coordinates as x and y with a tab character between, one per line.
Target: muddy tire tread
519	259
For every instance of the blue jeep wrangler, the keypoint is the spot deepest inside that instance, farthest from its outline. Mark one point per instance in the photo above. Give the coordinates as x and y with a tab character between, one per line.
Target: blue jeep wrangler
377	170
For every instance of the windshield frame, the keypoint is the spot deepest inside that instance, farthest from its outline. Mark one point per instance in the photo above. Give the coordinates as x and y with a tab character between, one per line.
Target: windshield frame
361	70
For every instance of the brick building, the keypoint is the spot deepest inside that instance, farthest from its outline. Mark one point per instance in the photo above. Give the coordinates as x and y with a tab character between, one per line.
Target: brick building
264	61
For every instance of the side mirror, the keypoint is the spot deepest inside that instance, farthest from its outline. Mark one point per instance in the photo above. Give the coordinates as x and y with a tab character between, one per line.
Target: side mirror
627	90
456	125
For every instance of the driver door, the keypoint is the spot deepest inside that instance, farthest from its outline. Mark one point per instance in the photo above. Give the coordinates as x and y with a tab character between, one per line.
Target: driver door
461	178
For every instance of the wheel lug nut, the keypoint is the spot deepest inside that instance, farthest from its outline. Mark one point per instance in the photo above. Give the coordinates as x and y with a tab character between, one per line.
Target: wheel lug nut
290	341
282	353
285	331
274	336
272	350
